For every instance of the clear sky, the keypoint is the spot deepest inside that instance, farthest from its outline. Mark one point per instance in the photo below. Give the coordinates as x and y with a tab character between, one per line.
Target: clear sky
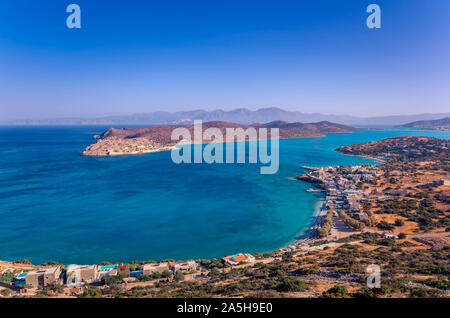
142	56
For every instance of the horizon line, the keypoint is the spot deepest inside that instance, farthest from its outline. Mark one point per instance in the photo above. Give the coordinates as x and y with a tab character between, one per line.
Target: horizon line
93	117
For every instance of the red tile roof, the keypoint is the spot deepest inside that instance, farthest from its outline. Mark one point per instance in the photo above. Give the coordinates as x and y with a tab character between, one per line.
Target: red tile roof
240	258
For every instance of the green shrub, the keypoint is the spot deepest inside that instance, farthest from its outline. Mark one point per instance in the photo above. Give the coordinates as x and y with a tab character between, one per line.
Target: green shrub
112	280
326	226
383	225
291	284
92	292
351	221
7	277
336	292
179	276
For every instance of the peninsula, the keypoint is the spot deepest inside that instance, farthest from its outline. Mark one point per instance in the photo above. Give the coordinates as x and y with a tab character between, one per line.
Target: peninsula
158	138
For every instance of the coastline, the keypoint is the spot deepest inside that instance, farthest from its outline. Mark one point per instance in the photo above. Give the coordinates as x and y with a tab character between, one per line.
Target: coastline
307	239
309	233
113	146
304	237
167	148
379	160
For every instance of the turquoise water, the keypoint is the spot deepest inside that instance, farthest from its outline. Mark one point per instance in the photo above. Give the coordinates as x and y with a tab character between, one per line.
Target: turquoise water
56	205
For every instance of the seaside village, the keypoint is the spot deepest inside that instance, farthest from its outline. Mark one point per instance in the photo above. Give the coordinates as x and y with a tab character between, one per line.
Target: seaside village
72	280
343	195
340	185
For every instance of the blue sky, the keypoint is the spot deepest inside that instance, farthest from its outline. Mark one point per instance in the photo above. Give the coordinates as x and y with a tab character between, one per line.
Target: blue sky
142	56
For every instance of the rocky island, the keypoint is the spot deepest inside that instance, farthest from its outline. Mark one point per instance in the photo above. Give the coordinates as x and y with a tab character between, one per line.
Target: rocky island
128	141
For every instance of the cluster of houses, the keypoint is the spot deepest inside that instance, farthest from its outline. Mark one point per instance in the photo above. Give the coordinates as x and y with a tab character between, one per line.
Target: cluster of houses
340	185
90	274
185	267
76	275
71	276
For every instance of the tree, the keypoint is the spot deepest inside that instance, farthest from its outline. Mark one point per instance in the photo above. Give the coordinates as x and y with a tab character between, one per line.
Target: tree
383	225
54	287
166	274
179	276
7	277
112	280
291	284
326	226
92	292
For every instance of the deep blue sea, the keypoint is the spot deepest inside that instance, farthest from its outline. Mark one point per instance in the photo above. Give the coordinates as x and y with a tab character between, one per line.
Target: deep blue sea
58	206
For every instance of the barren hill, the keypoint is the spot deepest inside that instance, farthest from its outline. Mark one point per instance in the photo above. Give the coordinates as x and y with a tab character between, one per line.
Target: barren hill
162	134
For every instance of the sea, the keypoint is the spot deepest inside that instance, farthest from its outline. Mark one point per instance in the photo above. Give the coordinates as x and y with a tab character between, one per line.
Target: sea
56	205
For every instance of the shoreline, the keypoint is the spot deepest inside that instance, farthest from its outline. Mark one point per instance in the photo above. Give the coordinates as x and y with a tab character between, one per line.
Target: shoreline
166	148
379	160
309	233
302	238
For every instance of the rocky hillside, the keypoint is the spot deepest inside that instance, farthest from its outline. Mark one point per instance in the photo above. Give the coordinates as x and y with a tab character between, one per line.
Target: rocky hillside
439	124
407	147
162	134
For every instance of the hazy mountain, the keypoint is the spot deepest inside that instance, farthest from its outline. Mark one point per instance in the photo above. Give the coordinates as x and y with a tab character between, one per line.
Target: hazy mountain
395	120
439	124
241	115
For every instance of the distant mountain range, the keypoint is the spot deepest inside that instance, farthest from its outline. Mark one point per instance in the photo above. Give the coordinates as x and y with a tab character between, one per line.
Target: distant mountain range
242	116
439	124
